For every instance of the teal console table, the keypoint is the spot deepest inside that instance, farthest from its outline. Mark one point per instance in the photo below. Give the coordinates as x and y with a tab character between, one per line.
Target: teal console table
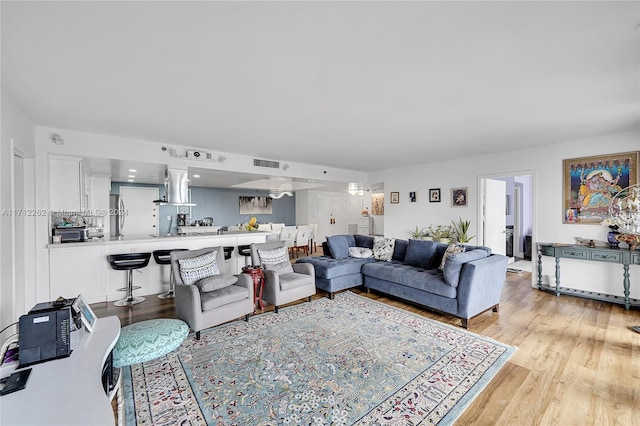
596	254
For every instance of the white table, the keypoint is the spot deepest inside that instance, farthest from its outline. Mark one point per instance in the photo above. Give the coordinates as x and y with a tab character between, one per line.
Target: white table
67	391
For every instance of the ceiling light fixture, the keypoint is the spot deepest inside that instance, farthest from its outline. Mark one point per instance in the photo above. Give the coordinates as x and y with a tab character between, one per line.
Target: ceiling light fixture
281	187
355	188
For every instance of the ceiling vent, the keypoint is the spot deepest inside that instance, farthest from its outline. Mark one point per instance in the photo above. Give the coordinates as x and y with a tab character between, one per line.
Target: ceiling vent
266	163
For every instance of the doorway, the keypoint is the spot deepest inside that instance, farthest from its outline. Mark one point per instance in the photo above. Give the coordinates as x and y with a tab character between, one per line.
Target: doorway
506	218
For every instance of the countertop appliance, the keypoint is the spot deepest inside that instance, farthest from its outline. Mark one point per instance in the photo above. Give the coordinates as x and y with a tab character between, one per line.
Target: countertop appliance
71	234
117	213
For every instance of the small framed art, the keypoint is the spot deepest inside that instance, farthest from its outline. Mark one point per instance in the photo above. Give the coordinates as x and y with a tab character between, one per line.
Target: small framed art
459	197
412	197
394	197
434	195
88	317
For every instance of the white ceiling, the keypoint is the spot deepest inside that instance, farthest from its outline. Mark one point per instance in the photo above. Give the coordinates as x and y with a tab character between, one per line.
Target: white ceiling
356	85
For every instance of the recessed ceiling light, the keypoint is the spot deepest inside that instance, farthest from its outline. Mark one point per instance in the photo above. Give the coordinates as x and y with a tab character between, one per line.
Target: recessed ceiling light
131	176
130	180
196	176
132	170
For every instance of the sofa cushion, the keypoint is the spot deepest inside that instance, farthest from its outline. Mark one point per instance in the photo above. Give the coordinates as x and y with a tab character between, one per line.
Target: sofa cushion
293	280
276	259
327	267
195	268
450	251
223	296
454	264
360	252
383	248
420	253
400	250
429	280
215	282
339	245
364	241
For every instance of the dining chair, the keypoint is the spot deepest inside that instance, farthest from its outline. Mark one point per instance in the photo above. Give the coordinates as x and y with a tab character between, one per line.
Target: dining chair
288	237
303	237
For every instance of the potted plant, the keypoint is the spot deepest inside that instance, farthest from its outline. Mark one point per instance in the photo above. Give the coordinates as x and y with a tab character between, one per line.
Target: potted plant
461	230
416	233
444	234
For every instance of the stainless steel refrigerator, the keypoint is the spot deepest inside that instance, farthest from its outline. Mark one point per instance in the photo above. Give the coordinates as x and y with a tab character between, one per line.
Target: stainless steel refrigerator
116	215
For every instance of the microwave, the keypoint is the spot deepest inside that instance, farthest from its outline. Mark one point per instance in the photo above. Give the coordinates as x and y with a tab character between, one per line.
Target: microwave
72	234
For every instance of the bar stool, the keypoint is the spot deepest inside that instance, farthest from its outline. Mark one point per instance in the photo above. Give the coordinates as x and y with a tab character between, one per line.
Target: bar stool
246	252
228	250
163	257
128	262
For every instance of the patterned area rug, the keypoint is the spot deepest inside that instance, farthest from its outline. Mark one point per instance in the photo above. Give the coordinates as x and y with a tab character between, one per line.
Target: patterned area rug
344	361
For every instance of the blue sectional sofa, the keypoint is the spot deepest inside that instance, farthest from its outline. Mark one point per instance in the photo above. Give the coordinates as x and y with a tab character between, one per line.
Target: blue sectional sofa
467	284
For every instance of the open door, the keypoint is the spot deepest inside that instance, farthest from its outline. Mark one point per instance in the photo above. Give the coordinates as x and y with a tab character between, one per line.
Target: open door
493	217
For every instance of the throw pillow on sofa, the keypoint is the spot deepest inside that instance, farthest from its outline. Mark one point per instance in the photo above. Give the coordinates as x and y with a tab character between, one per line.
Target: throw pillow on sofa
454	263
360	252
451	250
196	268
383	248
339	245
276	259
216	282
420	253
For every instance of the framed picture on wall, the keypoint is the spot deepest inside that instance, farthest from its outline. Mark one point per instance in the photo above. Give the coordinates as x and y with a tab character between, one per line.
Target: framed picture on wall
591	182
255	205
459	197
394	197
377	204
434	195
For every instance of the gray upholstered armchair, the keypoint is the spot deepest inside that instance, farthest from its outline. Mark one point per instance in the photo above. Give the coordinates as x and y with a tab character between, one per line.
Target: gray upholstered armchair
283	282
205	294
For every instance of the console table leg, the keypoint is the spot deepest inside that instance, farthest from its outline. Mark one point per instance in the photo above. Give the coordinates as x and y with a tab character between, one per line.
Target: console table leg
539	270
627	302
558	276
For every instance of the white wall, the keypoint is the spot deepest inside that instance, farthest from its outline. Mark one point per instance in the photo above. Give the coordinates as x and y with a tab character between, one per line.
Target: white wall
17	134
545	164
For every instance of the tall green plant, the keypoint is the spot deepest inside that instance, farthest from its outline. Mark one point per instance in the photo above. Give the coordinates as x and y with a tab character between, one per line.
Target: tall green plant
461	229
416	233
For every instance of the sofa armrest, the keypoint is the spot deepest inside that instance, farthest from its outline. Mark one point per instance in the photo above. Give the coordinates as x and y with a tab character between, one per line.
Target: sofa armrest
304	268
480	285
188	306
245	280
271	285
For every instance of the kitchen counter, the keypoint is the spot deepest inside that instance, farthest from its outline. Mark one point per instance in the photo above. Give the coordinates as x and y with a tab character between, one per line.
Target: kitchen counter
82	268
164	237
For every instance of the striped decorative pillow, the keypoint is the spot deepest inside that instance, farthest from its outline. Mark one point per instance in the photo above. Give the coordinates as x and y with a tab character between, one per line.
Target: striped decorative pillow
196	268
275	260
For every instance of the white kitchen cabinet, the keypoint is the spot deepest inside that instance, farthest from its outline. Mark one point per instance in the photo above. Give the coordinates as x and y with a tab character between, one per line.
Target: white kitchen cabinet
69	186
77	270
365	225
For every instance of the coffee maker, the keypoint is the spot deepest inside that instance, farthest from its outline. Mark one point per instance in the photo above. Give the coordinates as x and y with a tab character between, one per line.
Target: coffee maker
182	219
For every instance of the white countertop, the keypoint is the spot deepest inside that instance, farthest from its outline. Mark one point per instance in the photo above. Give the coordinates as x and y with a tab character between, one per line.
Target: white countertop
151	238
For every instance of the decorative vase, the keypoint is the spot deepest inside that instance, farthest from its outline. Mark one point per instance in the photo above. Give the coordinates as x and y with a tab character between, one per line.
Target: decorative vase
613	241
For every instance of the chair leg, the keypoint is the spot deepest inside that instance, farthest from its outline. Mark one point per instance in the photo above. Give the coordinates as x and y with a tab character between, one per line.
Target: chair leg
197	335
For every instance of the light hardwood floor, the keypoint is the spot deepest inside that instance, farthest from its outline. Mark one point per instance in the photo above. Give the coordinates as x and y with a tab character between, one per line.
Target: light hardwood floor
577	363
